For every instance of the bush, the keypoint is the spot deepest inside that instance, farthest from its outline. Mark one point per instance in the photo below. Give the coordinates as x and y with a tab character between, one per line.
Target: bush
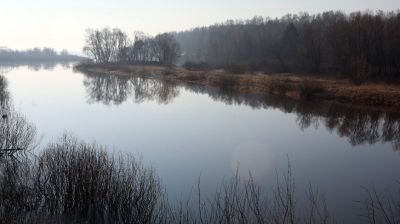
17	135
77	182
72	181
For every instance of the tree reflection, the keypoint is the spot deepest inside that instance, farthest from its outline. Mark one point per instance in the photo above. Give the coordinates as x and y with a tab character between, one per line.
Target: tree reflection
116	89
6	67
163	92
358	125
107	89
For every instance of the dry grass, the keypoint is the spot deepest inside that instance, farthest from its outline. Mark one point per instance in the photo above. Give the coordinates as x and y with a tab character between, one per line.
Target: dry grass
295	86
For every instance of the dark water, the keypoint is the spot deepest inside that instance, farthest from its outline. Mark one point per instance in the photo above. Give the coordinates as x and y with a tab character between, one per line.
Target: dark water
185	131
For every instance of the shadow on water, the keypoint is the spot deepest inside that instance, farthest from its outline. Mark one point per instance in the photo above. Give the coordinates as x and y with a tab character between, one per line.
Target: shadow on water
358	125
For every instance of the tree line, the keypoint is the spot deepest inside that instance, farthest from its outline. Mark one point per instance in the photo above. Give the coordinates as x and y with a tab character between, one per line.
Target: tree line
114	46
359	45
36	54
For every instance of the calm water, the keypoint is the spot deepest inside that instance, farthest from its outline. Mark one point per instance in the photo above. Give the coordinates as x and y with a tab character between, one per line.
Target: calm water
185	131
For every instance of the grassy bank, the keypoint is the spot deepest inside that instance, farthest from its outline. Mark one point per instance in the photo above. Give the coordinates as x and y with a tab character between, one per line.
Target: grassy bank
379	95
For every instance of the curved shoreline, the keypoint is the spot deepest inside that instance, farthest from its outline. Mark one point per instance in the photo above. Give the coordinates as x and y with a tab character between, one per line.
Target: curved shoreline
379	96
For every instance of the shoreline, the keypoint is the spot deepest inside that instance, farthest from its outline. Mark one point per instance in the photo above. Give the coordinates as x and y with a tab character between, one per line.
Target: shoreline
379	96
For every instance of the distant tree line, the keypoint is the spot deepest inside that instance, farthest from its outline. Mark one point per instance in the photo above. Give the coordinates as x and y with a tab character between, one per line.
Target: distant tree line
360	45
114	46
36	54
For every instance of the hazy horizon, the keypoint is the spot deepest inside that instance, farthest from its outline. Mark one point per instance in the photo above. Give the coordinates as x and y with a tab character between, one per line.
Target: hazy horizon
62	24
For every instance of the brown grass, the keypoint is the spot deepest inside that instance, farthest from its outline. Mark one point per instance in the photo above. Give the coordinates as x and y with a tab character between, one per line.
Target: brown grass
324	88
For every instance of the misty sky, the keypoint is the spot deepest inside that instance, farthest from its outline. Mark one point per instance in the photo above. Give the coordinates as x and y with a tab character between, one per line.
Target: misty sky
61	23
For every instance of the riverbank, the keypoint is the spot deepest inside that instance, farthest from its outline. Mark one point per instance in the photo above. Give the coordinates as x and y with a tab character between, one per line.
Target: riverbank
378	95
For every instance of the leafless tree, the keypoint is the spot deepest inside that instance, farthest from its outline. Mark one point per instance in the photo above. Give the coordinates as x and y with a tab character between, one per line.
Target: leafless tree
167	49
106	46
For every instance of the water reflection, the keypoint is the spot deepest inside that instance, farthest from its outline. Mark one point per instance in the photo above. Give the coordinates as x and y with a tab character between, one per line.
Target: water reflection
358	125
6	67
116	89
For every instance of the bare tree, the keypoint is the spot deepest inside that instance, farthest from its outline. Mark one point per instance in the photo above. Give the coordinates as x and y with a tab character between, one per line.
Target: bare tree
106	46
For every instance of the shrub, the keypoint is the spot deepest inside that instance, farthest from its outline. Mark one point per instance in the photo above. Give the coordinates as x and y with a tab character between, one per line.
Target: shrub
72	181
17	135
75	182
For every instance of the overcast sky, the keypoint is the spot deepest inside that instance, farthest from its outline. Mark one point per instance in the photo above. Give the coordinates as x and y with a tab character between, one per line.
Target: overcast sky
61	23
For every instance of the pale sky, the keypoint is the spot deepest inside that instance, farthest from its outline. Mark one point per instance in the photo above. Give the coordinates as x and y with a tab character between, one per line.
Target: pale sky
61	23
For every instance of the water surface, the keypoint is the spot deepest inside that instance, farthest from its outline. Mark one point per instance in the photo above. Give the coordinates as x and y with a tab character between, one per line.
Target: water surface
184	131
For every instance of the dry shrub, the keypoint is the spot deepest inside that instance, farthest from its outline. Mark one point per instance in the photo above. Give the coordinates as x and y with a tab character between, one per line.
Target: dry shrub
17	135
72	181
76	182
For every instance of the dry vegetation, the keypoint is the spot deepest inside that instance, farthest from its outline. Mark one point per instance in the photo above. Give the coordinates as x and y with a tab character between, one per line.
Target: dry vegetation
77	182
325	88
72	181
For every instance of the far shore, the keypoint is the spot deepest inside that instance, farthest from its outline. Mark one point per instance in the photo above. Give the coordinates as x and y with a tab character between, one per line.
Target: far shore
379	96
